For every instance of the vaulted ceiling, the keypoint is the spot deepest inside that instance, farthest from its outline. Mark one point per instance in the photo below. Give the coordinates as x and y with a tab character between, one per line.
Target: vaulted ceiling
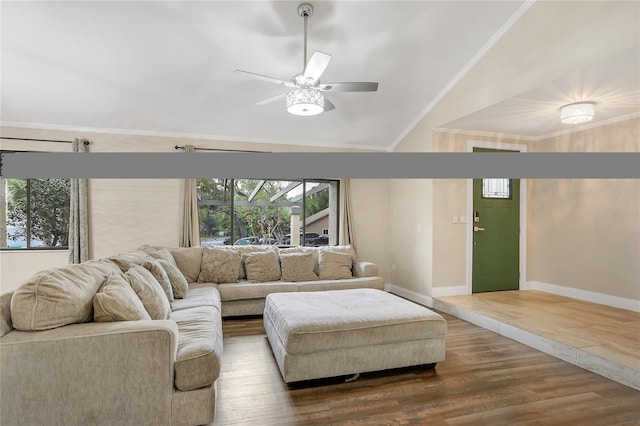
166	68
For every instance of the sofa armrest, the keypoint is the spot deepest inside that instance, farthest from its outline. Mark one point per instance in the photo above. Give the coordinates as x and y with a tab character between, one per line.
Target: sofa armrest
91	373
362	268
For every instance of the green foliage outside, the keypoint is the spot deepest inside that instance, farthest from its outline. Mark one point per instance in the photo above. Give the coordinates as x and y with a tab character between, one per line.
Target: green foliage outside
266	222
49	200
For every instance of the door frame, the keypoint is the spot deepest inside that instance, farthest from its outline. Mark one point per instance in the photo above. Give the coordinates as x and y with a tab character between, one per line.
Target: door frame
523	215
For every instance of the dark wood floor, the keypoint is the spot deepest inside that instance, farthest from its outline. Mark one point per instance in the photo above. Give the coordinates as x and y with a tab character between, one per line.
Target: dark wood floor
487	379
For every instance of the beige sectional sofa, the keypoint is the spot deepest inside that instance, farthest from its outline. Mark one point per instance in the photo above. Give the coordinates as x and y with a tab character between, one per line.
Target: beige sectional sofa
58	365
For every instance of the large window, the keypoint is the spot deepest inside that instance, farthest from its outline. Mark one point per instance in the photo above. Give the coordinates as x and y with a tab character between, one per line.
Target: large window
36	213
249	211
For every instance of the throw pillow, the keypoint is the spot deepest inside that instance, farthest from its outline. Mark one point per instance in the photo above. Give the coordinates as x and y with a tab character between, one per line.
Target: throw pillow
179	283
149	291
297	267
188	260
262	266
116	301
334	265
219	265
161	276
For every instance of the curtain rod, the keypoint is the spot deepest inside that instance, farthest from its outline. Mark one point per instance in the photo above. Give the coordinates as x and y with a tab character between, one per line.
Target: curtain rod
86	142
220	149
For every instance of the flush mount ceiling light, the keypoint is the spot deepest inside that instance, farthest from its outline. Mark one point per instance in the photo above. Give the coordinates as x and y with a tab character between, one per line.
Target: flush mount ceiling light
305	101
579	112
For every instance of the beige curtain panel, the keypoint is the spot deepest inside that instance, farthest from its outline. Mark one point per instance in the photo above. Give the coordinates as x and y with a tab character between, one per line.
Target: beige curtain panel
79	213
190	235
346	230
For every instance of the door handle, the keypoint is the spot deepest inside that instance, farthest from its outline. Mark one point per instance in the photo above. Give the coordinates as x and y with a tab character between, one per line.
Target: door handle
477	229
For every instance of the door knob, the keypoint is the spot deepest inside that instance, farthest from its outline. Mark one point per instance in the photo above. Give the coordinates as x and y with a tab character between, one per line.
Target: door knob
477	229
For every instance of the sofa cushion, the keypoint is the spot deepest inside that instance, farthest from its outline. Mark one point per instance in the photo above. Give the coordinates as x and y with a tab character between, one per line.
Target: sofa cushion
158	272
163	254
178	282
149	291
297	267
219	265
262	266
188	260
116	301
351	283
315	251
333	265
55	297
250	249
199	347
247	290
125	260
5	313
199	296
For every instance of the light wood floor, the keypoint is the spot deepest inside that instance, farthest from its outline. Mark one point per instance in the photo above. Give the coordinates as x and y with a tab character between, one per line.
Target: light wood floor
595	331
485	379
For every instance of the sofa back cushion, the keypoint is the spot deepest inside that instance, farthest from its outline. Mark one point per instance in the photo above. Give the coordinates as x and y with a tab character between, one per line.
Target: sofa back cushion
125	260
262	266
56	297
250	249
117	301
149	291
158	272
219	265
188	260
163	254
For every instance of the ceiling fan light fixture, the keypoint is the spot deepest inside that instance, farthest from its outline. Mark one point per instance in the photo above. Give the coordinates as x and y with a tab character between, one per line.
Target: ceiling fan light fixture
305	101
576	113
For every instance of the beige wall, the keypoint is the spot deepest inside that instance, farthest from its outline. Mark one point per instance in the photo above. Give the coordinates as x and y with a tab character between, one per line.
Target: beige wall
585	233
126	213
449	199
551	40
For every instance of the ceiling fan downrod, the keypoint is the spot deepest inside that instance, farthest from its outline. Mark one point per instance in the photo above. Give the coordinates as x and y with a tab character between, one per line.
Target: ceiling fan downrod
305	10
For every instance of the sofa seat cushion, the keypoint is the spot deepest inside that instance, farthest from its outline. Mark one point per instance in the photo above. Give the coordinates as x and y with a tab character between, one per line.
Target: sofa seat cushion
319	321
351	283
248	290
199	347
200	296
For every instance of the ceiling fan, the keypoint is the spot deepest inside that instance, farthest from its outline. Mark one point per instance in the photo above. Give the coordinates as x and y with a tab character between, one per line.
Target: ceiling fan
305	96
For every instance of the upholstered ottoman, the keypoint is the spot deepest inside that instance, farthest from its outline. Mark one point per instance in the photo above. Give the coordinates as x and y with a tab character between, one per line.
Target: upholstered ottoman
342	332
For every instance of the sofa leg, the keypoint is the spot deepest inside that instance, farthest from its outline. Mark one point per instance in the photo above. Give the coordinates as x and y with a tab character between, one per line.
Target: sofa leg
429	366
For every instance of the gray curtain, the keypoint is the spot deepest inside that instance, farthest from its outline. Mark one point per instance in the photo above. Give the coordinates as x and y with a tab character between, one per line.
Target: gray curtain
190	235
347	233
79	213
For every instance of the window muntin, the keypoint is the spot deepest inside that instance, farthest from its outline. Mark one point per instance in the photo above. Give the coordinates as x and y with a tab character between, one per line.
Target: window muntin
251	211
36	213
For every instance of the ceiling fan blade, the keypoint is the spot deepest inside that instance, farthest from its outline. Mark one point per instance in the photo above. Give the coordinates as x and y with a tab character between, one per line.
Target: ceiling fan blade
328	106
316	66
271	99
353	86
265	78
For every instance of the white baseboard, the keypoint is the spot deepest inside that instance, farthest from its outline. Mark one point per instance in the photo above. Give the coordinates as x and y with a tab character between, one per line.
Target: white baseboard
457	290
409	294
589	296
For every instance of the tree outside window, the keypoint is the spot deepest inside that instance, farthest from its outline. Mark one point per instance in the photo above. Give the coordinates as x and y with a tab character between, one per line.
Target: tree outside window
37	213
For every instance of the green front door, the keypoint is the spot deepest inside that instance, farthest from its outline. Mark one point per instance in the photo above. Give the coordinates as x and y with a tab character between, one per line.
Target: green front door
496	234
